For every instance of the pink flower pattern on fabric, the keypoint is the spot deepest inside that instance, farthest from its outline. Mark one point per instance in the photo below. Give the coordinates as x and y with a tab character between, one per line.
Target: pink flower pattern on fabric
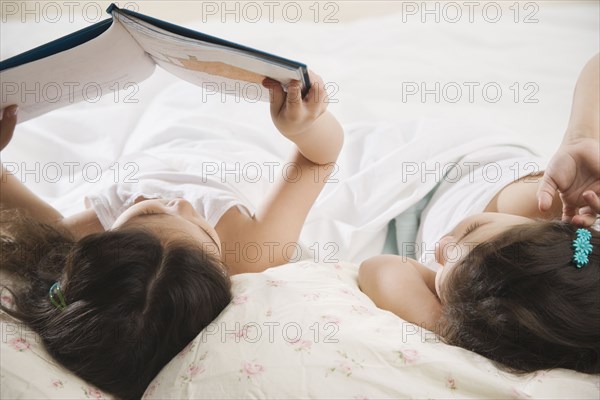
244	332
92	392
348	292
450	382
19	344
311	296
193	370
251	369
187	349
518	394
345	366
239	299
276	283
57	384
151	389
332	319
302	345
361	310
408	356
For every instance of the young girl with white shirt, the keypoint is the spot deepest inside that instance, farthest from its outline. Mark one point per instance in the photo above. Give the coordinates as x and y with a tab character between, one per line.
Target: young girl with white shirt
518	278
115	303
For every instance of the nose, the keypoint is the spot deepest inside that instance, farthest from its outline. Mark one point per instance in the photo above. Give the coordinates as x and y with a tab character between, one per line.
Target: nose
180	206
176	202
444	246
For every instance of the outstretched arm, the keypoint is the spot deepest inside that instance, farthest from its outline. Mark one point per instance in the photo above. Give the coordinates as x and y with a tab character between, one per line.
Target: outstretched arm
402	286
13	193
574	171
275	228
570	186
585	111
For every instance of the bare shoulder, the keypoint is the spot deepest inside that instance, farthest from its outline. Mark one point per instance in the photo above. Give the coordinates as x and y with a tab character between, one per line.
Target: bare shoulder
520	198
232	225
389	261
400	285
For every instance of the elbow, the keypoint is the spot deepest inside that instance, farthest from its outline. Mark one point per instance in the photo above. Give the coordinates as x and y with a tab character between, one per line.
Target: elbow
368	272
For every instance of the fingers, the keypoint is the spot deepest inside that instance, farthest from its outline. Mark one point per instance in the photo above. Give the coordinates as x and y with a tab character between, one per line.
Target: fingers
294	96
8	122
276	94
585	218
569	211
589	214
593	200
546	192
317	96
290	112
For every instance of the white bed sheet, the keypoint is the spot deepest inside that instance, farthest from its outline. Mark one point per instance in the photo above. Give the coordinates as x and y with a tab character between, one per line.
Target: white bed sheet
368	60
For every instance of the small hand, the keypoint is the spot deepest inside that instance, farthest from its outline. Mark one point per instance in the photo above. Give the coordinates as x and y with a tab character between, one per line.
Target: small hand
8	121
291	114
575	172
587	215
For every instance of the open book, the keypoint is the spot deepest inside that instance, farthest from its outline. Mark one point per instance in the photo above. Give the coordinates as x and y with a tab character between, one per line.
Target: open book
119	52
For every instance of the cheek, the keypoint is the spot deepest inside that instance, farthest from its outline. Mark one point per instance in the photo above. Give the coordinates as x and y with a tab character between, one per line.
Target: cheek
438	280
121	220
444	249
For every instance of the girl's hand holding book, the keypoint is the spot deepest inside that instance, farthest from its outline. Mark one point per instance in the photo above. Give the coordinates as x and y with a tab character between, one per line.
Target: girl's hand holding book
291	114
8	121
306	121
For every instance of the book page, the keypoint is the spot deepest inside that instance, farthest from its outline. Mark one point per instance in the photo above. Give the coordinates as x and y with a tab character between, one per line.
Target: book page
214	67
110	62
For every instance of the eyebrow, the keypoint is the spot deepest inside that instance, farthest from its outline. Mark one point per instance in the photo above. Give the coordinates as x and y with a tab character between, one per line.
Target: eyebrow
199	227
464	235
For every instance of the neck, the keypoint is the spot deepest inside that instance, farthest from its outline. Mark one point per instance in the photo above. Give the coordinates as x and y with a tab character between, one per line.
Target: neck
82	224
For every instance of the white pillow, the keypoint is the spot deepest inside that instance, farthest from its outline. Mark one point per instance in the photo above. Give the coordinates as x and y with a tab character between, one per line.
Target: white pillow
303	330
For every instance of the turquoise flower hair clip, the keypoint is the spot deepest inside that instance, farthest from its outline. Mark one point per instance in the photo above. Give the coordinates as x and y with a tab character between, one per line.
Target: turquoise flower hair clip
582	247
55	290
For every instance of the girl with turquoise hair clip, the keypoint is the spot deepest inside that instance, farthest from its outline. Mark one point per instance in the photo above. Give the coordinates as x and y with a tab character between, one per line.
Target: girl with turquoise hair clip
520	282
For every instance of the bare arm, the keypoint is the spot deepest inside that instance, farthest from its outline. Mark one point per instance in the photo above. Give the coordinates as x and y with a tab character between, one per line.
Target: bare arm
13	193
279	219
520	198
585	111
574	170
570	186
402	286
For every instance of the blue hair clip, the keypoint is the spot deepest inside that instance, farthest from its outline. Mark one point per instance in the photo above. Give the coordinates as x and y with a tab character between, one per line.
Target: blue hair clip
55	290
583	247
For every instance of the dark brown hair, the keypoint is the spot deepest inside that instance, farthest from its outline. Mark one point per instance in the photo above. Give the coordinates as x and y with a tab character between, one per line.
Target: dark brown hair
132	302
519	300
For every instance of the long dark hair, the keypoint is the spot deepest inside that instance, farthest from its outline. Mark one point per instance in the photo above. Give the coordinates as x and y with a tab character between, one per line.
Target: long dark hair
520	300
132	302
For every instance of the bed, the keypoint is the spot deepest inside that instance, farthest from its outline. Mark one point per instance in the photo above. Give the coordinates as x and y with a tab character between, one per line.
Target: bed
304	330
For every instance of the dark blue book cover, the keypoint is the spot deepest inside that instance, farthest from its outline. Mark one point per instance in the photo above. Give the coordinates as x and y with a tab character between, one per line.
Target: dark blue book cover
77	38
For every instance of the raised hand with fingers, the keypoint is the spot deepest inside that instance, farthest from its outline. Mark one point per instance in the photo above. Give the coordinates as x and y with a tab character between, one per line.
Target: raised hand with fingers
574	172
306	121
291	113
8	121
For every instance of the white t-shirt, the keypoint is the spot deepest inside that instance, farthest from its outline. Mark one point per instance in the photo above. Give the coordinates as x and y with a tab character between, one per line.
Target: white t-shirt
195	151
210	194
467	190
